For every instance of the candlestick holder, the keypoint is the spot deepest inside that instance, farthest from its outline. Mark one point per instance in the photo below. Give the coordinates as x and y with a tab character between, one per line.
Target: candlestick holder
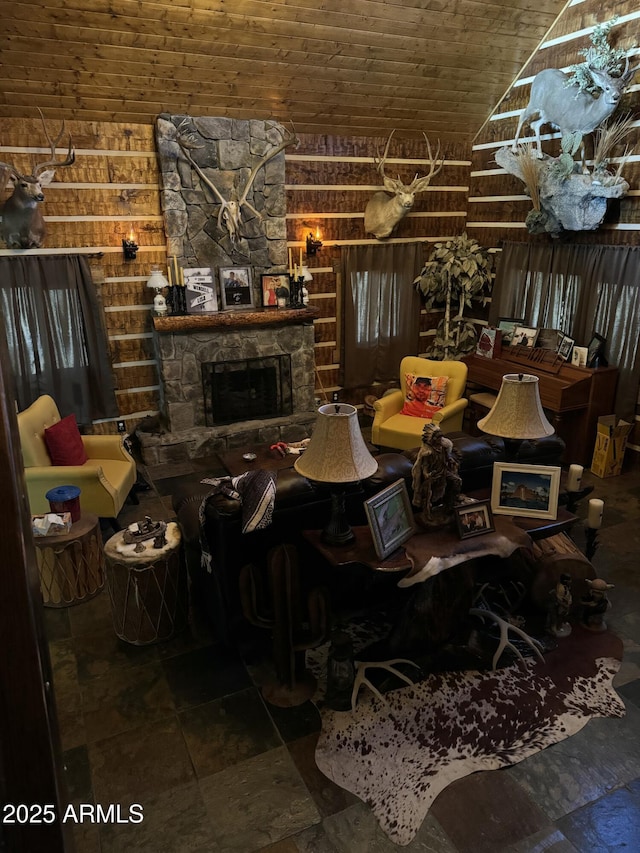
295	291
177	299
572	499
591	536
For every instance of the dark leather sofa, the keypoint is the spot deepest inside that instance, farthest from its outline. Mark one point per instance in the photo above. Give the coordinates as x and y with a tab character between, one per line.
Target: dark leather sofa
303	505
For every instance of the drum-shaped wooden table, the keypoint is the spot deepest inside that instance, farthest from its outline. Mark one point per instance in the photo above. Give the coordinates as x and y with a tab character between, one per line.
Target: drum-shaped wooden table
148	589
71	564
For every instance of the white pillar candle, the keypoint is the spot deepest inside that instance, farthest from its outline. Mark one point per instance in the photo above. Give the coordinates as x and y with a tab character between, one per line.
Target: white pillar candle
575	478
596	508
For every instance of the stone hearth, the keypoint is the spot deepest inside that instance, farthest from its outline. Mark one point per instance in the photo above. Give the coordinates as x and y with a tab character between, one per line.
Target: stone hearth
183	343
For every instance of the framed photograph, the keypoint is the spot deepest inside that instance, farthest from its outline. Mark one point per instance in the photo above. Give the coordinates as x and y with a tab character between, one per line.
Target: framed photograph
507	325
275	290
524	336
565	346
529	490
579	356
549	339
235	287
595	350
201	294
489	342
474	519
390	518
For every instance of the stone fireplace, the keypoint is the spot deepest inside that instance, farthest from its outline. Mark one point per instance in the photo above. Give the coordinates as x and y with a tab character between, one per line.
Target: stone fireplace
229	153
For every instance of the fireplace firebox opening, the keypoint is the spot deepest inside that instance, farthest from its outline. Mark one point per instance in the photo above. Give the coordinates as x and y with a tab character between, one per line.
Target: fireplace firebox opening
247	389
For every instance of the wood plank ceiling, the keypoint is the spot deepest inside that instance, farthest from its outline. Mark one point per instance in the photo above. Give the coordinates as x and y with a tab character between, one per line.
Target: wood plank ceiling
340	67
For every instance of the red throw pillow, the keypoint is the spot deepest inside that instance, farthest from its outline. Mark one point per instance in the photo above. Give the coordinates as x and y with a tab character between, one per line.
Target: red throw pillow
425	395
64	442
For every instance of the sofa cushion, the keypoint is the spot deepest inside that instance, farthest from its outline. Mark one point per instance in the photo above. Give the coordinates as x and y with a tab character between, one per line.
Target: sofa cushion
64	442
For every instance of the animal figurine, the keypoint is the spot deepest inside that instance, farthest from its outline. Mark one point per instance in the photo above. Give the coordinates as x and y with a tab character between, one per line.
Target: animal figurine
560	607
595	604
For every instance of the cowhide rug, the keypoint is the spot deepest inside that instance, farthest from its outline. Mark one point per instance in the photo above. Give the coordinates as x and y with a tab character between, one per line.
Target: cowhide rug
397	757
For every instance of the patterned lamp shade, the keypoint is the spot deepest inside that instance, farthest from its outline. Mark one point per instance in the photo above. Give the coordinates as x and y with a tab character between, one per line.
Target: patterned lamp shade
517	412
337	452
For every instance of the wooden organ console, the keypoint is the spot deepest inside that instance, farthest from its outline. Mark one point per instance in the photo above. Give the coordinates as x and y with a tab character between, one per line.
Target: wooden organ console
573	397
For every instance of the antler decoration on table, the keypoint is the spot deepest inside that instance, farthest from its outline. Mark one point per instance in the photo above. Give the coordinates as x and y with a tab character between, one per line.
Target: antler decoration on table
230	211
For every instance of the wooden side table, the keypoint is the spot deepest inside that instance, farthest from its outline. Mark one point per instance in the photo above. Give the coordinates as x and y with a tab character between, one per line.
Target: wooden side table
148	589
71	564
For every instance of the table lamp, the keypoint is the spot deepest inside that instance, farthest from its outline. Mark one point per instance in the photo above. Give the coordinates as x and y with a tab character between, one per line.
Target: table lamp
157	281
517	413
337	455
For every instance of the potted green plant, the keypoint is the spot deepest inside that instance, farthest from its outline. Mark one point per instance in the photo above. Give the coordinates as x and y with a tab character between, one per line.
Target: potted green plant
458	272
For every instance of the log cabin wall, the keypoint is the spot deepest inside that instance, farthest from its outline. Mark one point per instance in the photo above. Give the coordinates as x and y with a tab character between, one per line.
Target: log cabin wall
114	186
89	208
498	205
329	181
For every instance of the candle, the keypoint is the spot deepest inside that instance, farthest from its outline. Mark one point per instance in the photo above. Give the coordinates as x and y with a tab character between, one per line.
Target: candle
290	264
594	519
300	257
575	478
182	276
169	275
175	266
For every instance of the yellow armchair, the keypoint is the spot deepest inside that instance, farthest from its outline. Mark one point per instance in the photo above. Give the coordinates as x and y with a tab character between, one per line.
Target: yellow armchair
105	479
404	432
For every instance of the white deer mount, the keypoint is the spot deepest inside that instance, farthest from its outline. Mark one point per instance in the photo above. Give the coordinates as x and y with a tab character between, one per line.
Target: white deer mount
230	213
383	212
22	221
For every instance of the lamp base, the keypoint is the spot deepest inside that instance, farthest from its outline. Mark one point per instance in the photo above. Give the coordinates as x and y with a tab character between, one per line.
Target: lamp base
338	531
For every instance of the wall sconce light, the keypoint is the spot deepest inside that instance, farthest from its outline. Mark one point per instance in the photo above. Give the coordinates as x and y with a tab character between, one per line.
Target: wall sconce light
313	243
130	247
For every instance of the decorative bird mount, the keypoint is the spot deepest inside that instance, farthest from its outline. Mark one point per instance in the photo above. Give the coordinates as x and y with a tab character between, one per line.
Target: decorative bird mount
22	221
384	212
230	213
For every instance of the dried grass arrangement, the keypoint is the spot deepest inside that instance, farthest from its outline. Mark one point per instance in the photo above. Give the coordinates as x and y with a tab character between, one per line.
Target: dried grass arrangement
607	138
530	168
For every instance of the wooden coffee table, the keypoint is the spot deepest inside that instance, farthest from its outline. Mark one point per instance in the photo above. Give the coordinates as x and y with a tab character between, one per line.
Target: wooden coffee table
266	460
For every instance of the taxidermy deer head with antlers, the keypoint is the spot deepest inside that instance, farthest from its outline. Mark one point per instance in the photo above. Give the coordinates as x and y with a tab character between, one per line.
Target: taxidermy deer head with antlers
22	221
384	212
230	213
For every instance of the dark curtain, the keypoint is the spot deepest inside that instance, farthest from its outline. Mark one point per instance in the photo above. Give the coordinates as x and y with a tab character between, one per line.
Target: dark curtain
580	290
56	336
381	310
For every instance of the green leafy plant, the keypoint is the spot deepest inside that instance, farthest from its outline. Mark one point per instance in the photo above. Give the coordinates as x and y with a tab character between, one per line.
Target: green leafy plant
600	55
458	271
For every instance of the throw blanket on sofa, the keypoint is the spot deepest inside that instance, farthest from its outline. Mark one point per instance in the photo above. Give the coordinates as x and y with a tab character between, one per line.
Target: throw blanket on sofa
256	491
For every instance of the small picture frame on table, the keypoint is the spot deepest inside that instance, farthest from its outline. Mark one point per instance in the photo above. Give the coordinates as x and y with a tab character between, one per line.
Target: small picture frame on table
235	288
524	336
275	290
489	343
507	325
390	518
579	356
595	351
525	490
565	346
474	519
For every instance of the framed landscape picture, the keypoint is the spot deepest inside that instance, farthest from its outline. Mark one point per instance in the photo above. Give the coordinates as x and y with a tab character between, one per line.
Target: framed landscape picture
390	518
527	490
235	288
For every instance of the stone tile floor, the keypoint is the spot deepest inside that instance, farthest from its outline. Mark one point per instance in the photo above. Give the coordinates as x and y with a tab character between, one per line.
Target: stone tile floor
182	729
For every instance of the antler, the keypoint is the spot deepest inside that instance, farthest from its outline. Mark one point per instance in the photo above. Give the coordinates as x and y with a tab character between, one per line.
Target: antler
380	160
70	158
419	184
230	209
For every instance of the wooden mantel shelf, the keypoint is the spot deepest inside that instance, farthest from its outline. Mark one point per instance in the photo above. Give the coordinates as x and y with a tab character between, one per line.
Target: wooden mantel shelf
235	319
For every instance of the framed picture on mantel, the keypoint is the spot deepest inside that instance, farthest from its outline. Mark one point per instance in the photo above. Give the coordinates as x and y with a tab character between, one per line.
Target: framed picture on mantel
235	288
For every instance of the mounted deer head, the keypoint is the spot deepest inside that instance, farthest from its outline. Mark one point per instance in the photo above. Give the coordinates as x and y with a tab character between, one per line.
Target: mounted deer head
230	213
22	222
383	212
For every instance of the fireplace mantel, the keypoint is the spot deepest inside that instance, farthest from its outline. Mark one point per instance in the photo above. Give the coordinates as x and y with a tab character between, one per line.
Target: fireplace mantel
235	319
